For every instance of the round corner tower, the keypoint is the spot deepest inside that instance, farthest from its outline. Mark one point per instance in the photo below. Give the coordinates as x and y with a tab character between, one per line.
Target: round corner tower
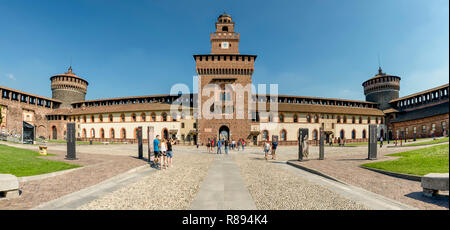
381	89
68	88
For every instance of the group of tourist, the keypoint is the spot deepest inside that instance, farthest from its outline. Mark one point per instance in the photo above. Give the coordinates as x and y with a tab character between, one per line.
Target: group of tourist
232	145
163	152
268	147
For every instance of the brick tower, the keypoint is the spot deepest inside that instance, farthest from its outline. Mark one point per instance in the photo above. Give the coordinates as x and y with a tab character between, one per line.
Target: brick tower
224	73
68	88
382	88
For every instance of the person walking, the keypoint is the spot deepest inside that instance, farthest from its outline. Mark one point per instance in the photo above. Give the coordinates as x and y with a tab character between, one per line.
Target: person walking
381	142
156	149
266	148
238	144
274	149
169	153
233	144
226	143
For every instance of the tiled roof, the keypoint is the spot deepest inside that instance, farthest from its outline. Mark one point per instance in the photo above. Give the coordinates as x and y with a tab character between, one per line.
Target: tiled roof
114	109
296	107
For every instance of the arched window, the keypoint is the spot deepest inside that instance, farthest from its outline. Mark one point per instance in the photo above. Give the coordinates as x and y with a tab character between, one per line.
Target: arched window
364	134
281	117
315	136
338	119
164	116
133	117
265	135
110	118
174	117
368	120
123	133
112	133
353	134
308	118
342	134
295	118
225	28
92	119
122	117
345	119
102	133
270	118
353	120
84	119
153	117
283	135
376	120
84	133
142	116
316	118
92	133
100	118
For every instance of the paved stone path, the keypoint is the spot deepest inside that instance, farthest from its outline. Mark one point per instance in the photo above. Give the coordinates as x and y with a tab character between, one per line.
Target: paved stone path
345	167
223	188
84	196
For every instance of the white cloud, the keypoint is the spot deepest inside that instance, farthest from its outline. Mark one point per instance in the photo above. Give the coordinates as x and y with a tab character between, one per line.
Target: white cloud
10	76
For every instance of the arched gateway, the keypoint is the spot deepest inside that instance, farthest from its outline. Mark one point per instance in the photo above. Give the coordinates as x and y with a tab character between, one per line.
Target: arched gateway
224	133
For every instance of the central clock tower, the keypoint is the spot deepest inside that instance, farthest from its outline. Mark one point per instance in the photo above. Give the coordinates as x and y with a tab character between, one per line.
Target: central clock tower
224	40
228	72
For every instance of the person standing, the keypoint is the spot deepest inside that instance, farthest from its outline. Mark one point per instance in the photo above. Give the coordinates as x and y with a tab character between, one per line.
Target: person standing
274	149
156	149
208	145
266	147
169	152
219	145
381	142
163	154
243	144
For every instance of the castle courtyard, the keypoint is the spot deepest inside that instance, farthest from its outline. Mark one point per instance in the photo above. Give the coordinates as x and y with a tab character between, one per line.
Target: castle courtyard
113	177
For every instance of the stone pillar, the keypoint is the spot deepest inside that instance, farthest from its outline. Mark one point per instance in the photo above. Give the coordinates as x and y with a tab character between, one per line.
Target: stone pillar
372	142
139	137
71	141
321	145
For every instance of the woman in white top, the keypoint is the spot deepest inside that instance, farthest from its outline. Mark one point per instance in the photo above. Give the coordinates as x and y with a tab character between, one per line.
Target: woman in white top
163	152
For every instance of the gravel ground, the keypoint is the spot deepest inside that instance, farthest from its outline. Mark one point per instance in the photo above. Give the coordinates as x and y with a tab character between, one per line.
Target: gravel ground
180	185
274	188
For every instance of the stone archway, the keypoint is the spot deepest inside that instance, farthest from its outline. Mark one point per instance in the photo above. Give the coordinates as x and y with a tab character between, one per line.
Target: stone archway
224	132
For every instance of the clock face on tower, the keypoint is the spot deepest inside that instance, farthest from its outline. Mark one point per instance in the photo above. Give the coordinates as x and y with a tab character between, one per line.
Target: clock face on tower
224	45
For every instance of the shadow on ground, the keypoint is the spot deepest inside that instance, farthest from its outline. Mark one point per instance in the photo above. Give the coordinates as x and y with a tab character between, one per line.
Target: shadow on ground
440	200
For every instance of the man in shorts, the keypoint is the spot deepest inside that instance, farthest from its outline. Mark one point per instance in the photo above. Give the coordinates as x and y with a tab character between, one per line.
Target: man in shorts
274	149
156	149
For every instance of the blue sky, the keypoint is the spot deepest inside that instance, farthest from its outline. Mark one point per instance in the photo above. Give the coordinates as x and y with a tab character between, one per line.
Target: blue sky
322	48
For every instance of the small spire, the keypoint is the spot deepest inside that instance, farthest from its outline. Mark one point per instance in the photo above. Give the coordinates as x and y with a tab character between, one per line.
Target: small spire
380	71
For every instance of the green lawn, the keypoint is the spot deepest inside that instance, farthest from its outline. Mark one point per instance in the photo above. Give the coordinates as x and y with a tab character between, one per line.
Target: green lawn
441	140
22	162
433	159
